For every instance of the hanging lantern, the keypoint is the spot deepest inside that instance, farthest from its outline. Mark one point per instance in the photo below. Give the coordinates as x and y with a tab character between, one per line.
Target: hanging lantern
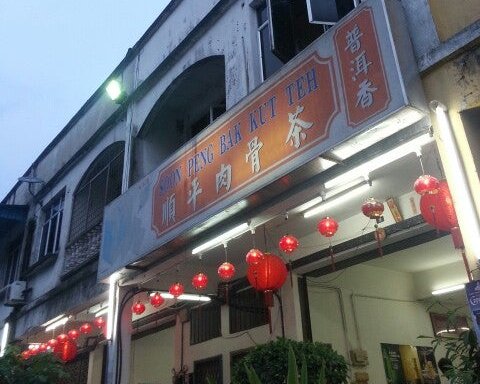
156	299
253	256
226	271
288	243
34	350
327	227
200	281
25	354
138	308
426	184
52	343
85	328
73	334
438	210
372	208
99	322
62	338
66	351
42	348
176	289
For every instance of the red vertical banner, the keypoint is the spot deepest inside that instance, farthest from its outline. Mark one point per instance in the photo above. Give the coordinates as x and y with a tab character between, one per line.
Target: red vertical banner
364	83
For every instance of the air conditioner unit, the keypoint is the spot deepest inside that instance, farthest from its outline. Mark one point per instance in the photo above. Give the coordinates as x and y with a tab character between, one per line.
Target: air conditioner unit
14	293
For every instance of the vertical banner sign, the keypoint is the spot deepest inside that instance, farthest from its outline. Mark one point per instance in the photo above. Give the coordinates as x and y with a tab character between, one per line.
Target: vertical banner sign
472	290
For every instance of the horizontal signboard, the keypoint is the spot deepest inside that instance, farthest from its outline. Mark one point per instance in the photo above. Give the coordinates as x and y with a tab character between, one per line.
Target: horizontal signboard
349	80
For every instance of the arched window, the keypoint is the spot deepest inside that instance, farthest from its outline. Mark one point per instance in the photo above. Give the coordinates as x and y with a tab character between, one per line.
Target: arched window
101	184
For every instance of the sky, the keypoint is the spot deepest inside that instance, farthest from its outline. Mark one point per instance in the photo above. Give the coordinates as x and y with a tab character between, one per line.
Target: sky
54	54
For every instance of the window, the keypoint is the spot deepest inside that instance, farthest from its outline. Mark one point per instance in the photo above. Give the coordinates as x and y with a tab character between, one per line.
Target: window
101	184
247	310
208	369
205	323
270	62
52	226
10	264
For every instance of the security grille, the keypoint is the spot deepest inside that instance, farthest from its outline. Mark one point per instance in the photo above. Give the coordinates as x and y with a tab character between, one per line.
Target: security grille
101	184
205	323
247	310
208	369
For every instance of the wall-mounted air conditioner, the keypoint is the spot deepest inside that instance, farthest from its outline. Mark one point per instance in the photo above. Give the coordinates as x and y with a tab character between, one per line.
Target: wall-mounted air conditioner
14	293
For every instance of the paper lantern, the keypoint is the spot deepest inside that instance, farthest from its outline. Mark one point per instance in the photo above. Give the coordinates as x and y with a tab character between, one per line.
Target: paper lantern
426	184
327	226
200	281
372	208
176	289
226	271
34	350
52	343
156	299
268	274
253	256
138	308
85	328
66	351
99	322
25	355
438	210
73	334
62	338
288	243
42	348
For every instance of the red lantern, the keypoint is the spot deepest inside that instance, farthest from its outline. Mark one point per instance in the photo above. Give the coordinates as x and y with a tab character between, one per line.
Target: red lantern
85	328
372	208
176	289
253	256
226	271
73	334
66	351
99	322
138	308
42	348
52	343
267	275
288	243
34	350
426	184
327	227
62	338
25	355
438	210
200	281
156	300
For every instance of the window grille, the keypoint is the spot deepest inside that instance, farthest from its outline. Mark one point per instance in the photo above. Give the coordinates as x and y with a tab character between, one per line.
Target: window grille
247	310
52	226
100	185
205	323
208	369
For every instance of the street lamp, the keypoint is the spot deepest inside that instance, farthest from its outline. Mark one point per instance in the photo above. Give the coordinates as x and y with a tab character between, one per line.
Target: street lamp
115	91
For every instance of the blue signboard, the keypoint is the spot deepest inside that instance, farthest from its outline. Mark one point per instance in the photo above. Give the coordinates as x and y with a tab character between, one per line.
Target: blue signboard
473	297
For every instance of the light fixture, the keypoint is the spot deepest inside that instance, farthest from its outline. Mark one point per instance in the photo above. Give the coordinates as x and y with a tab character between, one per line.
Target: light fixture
224	237
3	345
380	161
57	323
452	330
53	320
111	305
102	311
186	297
463	199
453	288
329	203
115	91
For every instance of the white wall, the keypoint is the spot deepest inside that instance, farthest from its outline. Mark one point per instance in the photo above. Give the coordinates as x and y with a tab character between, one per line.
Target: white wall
386	310
152	358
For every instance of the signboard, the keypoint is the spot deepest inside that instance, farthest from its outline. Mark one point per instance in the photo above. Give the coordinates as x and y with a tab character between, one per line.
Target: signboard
347	81
472	290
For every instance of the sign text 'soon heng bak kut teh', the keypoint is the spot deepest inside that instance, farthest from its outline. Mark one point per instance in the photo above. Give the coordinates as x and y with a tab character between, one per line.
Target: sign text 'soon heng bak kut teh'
353	77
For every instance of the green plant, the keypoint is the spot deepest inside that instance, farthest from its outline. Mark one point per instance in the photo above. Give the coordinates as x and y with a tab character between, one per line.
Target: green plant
43	368
270	363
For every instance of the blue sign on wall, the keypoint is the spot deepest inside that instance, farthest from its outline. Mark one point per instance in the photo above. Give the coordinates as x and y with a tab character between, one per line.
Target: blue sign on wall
473	297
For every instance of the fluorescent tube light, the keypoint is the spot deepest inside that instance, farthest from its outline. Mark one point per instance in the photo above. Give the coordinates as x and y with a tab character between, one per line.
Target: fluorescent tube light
329	203
3	345
53	320
111	305
57	324
231	234
186	297
378	162
448	289
102	311
452	330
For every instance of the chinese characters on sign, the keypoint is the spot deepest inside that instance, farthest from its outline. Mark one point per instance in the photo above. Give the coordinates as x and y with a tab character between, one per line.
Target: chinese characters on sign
361	67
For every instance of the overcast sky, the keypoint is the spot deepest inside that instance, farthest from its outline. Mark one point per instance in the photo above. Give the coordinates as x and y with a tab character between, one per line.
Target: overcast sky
53	56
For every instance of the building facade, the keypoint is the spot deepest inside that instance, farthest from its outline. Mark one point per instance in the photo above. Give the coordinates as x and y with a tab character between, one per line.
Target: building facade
247	116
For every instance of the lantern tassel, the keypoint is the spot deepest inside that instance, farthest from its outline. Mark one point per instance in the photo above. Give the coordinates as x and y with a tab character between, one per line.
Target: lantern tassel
379	241
290	272
432	209
332	259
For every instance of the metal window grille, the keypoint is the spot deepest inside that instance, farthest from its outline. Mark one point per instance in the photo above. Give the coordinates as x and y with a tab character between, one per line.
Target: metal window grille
52	226
205	323
101	184
208	369
247	310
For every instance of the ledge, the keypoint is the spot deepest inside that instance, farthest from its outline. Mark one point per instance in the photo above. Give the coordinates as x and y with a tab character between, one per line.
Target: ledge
41	264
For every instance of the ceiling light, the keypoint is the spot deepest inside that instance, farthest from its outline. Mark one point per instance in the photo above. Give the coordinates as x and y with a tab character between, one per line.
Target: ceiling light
186	297
5	335
57	324
448	289
101	312
380	161
53	320
223	238
330	203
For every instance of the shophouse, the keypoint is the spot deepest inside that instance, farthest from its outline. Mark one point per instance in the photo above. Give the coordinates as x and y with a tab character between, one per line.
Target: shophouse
239	122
